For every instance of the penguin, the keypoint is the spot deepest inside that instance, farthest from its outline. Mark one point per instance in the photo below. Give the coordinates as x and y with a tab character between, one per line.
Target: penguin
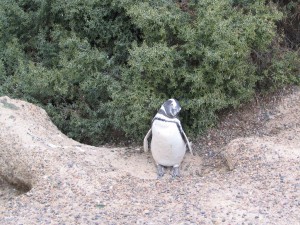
169	142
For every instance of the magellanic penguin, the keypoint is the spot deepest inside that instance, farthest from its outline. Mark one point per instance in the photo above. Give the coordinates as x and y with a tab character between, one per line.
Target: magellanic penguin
169	142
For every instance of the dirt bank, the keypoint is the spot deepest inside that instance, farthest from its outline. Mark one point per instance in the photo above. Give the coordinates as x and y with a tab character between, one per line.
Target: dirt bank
47	178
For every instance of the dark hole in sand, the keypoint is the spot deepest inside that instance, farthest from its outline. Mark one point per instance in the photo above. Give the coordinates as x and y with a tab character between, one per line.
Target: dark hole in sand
8	190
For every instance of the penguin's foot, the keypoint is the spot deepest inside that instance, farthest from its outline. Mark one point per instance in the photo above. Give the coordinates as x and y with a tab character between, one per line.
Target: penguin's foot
160	170
175	172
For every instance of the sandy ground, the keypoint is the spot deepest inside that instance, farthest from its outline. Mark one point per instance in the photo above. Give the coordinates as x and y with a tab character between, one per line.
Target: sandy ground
245	171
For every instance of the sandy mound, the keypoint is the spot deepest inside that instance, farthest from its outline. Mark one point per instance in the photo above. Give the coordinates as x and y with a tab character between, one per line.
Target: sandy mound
47	178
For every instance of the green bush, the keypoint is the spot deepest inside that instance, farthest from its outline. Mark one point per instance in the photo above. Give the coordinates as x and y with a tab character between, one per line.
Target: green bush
101	69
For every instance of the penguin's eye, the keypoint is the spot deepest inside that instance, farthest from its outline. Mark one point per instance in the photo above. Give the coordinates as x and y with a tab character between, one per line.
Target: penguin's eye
173	104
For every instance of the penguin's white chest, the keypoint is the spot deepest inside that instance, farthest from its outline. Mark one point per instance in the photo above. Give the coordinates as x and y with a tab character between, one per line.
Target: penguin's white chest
167	146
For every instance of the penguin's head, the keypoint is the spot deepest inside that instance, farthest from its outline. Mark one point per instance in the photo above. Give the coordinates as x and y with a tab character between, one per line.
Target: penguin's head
171	107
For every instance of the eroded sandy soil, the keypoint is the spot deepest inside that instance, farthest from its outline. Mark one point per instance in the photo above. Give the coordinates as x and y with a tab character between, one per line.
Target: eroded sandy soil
47	178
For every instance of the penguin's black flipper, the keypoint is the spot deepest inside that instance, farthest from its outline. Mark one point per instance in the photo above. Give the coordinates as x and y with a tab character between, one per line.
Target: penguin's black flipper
187	143
146	145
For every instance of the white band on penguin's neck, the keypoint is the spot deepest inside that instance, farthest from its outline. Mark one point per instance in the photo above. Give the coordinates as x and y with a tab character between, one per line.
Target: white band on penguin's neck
163	108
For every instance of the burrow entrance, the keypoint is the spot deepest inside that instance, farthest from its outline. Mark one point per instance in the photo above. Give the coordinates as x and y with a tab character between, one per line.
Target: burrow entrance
10	190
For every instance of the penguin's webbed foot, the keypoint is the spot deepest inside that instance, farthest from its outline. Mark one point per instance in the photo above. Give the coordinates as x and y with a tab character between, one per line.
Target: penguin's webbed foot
160	170
175	172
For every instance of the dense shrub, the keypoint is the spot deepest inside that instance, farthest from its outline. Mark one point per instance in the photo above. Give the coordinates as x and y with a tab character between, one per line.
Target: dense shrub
102	68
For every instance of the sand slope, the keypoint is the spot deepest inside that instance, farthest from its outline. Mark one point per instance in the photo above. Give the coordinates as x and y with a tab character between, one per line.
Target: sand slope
48	178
